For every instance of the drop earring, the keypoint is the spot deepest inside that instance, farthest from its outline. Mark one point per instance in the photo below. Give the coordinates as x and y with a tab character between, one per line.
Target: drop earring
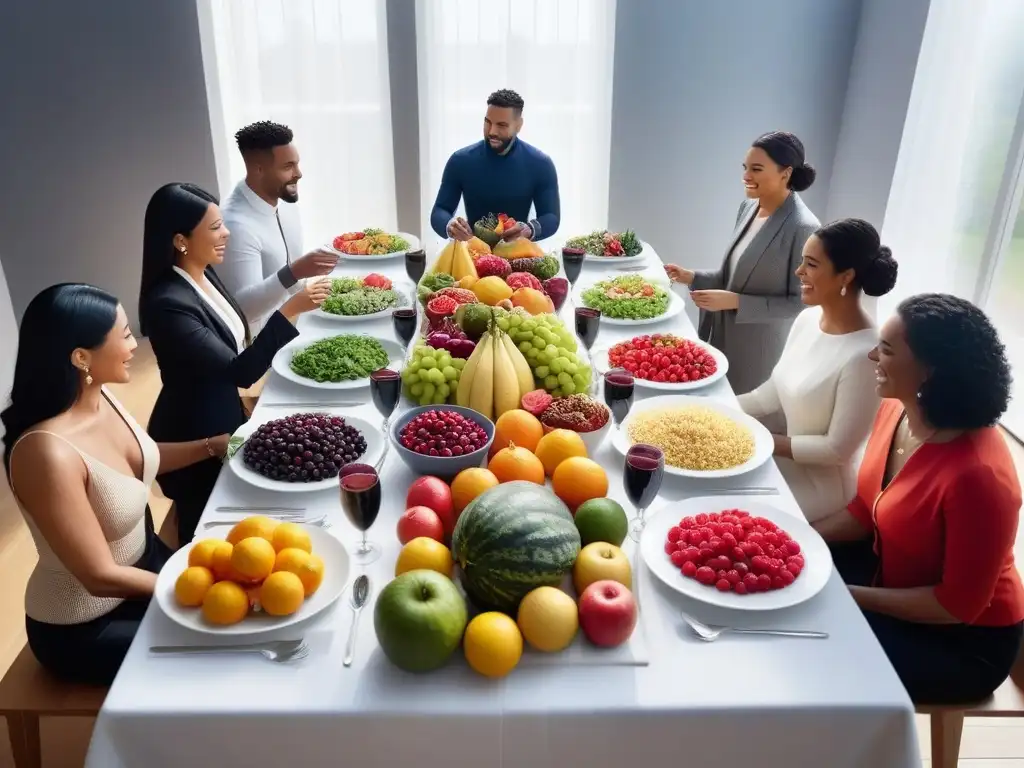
88	377
843	291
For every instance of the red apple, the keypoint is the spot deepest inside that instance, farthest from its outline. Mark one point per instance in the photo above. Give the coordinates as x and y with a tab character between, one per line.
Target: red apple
433	493
607	613
420	521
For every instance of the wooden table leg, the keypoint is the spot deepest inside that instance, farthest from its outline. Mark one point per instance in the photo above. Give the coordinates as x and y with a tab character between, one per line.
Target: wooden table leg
23	730
947	728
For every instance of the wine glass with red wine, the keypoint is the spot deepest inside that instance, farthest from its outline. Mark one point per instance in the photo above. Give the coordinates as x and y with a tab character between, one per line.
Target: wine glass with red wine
572	263
415	264
385	390
618	394
645	469
588	323
360	499
404	321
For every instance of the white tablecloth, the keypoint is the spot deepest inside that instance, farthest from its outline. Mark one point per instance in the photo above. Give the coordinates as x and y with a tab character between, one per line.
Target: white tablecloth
769	702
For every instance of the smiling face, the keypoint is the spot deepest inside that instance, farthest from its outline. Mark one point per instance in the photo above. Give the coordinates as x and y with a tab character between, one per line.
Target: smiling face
109	362
501	125
819	281
898	374
205	245
762	176
281	174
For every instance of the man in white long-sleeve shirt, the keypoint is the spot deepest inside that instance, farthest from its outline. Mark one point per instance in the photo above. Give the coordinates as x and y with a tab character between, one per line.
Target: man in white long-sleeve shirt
263	263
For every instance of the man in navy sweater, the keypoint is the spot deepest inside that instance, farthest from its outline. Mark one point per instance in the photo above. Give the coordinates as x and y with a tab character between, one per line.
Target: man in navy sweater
501	174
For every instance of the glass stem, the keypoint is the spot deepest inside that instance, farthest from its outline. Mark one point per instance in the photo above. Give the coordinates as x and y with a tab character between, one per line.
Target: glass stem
363	546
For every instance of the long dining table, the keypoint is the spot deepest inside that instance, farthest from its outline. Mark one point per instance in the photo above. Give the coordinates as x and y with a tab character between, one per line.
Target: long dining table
771	702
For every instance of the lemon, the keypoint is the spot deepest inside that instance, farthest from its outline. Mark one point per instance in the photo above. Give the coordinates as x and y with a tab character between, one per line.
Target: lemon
282	594
424	553
548	619
493	644
192	585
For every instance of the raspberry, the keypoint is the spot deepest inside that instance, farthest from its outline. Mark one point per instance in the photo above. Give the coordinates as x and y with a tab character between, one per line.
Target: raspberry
723	585
793	547
721	547
678	559
689	568
759	563
691	553
738	554
770	550
798	559
674	532
686	523
793	568
670	547
733	576
777	582
741	568
720	563
705	575
772	538
701	519
729	538
788	577
764	582
751	581
756	537
740	588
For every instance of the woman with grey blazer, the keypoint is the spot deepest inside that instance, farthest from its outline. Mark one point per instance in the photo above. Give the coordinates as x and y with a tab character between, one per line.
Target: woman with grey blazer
748	304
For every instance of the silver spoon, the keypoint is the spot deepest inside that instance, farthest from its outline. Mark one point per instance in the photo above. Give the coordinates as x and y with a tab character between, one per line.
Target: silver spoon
710	633
360	594
277	650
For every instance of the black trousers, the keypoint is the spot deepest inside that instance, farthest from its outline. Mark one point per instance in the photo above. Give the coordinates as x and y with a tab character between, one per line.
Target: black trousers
937	663
92	652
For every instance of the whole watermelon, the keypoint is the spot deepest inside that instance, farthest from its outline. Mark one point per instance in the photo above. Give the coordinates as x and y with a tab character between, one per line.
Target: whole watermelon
511	539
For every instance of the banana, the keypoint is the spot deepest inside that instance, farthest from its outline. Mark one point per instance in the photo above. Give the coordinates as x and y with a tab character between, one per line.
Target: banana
506	381
481	395
462	262
524	374
465	386
445	259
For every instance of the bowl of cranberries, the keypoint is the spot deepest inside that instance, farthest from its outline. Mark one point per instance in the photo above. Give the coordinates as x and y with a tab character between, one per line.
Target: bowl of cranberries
442	440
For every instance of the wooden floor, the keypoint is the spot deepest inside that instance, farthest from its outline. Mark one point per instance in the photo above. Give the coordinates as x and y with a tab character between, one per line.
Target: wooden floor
987	743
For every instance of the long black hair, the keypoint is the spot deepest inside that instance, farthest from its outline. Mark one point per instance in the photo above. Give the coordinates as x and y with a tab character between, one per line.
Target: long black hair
174	209
787	151
59	320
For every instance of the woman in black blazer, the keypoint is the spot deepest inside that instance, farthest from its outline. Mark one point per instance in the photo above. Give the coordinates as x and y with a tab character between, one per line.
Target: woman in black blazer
200	336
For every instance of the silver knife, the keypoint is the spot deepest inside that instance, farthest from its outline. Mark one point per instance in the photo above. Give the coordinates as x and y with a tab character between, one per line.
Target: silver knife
343	404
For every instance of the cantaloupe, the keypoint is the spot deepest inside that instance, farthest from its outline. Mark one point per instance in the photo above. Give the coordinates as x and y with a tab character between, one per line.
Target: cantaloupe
517	249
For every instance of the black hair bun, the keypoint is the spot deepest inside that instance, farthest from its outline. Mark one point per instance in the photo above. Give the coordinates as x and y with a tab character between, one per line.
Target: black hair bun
880	276
802	177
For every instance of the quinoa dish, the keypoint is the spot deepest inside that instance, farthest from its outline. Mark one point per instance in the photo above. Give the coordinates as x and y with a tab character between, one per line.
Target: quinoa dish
694	437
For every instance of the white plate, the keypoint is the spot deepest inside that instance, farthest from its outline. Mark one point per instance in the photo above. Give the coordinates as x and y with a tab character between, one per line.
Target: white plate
336	570
764	445
675	302
404	290
600	361
375	444
817	558
283	359
618	261
412	240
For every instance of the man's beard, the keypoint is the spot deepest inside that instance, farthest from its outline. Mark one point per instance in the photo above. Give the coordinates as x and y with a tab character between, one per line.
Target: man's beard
288	197
503	147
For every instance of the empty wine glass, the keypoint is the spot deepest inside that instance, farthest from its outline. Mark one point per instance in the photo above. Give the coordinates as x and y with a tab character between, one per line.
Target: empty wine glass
645	469
360	499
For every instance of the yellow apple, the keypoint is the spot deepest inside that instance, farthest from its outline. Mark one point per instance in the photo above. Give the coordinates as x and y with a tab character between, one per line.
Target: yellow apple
601	561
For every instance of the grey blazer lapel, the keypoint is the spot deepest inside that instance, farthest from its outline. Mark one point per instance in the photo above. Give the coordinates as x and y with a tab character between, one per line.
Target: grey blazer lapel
747	261
747	214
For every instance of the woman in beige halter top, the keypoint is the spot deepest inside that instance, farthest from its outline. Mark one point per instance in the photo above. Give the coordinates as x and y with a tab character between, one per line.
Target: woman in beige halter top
81	469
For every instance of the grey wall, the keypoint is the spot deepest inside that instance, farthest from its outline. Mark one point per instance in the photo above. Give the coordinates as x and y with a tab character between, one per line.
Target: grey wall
102	103
695	83
405	115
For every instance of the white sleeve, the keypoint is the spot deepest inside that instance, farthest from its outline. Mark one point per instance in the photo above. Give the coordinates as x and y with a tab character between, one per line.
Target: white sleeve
242	273
762	401
852	417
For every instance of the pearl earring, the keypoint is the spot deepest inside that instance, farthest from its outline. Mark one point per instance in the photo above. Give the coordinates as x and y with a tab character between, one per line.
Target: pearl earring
88	377
843	291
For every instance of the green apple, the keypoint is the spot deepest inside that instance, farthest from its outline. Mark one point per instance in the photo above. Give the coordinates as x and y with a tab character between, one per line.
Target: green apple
419	620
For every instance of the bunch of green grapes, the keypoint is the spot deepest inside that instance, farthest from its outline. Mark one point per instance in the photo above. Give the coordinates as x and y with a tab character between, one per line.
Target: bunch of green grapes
550	349
432	375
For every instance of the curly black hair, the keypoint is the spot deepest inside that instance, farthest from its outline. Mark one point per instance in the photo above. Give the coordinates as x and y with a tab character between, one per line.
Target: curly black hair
506	98
263	136
968	386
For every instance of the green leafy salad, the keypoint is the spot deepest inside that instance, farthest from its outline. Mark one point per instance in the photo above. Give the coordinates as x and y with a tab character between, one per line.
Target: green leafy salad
349	296
630	297
340	358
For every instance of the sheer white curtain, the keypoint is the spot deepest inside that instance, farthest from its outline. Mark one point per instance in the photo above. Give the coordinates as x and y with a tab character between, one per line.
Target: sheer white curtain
955	146
557	54
320	67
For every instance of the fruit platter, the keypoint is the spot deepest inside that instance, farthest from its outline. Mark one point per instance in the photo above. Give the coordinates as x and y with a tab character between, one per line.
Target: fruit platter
303	452
733	552
357	299
373	244
699	436
663	361
264	575
630	299
488	233
624	248
555	576
336	362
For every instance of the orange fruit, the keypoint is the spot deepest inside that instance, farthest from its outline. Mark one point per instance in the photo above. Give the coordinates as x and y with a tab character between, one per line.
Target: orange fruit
253	558
291	536
579	479
192	585
225	603
426	554
469	484
557	446
220	561
533	301
201	553
515	463
282	594
519	427
312	574
258	525
290	559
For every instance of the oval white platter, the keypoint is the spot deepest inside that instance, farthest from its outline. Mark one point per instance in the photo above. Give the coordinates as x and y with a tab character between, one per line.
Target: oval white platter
412	240
375	445
404	290
817	558
283	359
615	262
764	445
675	304
600	360
336	572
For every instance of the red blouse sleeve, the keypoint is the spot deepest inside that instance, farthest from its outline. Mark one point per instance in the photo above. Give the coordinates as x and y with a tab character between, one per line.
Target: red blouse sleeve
980	510
862	512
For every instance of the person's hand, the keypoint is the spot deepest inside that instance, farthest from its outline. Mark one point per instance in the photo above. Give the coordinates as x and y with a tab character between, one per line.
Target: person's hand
219	444
519	229
459	229
309	298
314	264
715	301
679	275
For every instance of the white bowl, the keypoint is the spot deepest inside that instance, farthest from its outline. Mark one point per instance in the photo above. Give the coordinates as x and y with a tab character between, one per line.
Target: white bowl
594	439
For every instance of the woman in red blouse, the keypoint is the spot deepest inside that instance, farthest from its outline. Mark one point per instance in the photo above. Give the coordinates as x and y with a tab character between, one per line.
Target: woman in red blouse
926	545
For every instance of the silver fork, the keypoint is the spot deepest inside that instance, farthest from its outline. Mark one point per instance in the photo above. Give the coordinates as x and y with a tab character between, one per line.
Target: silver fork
280	651
319	522
709	633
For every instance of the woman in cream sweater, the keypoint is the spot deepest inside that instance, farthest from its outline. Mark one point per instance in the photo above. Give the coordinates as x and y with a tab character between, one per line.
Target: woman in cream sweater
824	383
